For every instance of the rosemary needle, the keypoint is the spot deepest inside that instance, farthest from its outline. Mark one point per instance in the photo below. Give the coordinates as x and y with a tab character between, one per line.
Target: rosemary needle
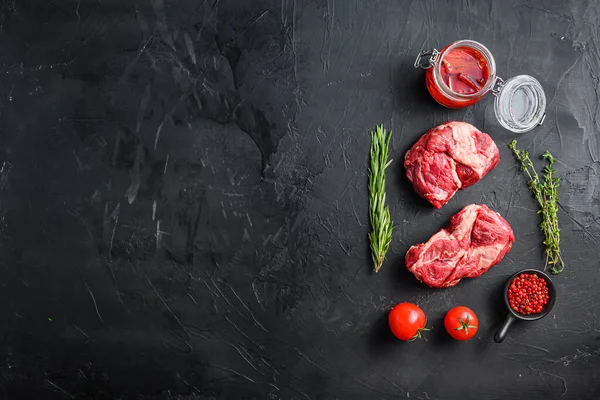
379	213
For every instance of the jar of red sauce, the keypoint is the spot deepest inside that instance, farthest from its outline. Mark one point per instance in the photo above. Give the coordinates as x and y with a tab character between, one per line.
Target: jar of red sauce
463	72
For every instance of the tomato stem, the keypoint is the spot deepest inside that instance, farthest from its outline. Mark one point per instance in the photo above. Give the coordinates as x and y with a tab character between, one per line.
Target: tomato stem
419	334
464	325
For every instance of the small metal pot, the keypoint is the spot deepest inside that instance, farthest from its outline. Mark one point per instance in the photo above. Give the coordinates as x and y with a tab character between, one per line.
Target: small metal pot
513	316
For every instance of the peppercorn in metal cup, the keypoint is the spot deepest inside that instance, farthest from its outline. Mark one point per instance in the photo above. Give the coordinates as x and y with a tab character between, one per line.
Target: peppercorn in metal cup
513	315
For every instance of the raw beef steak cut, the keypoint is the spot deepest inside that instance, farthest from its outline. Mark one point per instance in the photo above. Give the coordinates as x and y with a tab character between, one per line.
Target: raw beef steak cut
476	239
449	157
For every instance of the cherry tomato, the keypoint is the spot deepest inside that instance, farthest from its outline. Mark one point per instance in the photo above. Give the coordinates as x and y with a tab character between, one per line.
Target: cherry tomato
461	323
407	321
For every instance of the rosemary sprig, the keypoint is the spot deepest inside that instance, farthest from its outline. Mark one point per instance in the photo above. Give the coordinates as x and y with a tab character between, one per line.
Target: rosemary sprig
545	191
379	213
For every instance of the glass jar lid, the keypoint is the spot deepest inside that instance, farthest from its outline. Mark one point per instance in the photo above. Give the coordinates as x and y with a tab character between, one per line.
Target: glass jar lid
520	103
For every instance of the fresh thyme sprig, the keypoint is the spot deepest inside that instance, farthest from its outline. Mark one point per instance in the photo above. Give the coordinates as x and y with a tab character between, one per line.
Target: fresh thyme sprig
379	213
546	193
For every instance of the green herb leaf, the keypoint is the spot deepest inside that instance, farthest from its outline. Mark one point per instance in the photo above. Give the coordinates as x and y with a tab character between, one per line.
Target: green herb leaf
379	213
545	192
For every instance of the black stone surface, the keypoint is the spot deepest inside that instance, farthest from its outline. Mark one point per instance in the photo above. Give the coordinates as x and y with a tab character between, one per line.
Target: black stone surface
183	204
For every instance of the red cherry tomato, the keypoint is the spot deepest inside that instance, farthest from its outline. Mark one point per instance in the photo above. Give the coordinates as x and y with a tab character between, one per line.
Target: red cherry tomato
407	321
461	323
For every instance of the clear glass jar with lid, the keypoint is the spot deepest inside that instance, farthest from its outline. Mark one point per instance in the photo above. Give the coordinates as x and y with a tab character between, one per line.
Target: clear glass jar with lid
463	72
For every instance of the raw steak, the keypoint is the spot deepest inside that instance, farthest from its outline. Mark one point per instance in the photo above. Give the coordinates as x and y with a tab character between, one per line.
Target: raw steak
476	239
449	157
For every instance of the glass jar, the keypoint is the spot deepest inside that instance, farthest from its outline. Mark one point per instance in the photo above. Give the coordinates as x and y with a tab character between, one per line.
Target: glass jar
463	72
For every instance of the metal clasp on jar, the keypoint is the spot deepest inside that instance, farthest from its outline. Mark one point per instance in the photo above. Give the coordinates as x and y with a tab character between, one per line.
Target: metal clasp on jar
497	86
426	59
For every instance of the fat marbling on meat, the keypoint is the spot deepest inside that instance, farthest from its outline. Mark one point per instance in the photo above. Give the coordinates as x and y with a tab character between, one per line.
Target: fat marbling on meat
476	239
449	157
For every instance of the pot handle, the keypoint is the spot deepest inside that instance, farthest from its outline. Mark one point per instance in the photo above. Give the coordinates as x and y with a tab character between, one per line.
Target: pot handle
501	332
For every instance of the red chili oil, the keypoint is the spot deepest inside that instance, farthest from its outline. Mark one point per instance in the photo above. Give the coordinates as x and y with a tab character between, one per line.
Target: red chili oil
528	294
464	71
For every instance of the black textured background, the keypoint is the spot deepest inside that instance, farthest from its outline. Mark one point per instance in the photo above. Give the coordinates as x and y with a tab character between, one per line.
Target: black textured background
183	204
